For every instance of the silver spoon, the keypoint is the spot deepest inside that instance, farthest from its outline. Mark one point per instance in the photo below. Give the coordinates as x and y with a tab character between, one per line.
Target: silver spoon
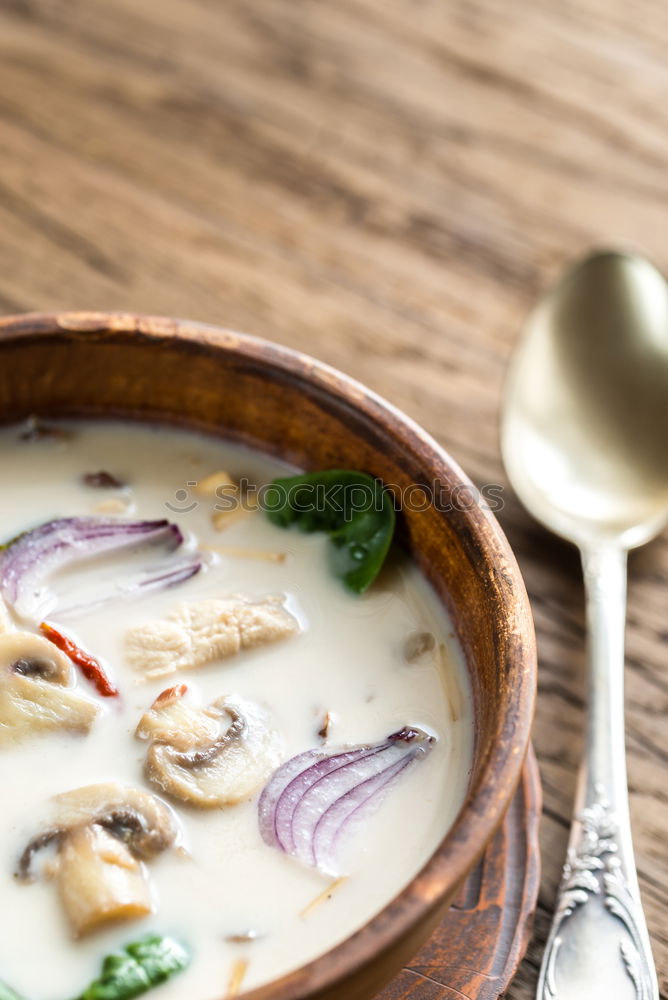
585	445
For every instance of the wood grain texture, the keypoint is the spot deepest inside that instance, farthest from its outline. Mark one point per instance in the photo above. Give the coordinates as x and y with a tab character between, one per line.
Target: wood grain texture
387	185
476	949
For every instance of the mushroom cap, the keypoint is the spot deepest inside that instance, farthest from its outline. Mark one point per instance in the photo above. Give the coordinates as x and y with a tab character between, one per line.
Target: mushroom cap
102	835
189	762
34	656
172	719
144	823
37	689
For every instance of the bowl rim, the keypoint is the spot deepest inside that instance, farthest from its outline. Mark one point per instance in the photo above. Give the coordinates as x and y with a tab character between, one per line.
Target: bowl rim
466	839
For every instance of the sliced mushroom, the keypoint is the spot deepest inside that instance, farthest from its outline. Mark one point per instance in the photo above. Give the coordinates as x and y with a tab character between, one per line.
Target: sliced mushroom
36	689
172	719
210	757
201	632
103	834
100	880
136	817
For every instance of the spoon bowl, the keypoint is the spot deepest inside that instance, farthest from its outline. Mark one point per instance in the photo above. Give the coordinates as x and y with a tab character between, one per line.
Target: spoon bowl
585	420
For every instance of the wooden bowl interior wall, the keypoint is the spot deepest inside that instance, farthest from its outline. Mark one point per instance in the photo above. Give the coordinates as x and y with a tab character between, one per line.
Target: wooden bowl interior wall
284	404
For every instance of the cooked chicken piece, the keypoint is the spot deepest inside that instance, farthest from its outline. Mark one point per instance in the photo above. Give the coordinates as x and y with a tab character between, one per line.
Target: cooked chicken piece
103	833
201	632
210	757
36	689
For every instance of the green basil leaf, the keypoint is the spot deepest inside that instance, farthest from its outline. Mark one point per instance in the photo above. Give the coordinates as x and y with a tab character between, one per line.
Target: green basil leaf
138	967
352	507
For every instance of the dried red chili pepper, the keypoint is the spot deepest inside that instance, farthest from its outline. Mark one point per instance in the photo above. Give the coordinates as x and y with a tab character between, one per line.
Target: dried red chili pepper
89	666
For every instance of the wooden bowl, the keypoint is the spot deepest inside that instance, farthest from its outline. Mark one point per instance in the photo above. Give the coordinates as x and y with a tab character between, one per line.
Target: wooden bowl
162	370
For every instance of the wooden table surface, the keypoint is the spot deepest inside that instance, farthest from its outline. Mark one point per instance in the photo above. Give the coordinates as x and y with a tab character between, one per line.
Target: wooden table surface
386	184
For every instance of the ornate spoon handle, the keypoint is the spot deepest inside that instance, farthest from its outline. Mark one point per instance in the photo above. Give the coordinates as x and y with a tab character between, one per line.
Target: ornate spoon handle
598	946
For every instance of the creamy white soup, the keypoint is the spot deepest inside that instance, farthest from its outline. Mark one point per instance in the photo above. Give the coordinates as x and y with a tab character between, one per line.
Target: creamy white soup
264	655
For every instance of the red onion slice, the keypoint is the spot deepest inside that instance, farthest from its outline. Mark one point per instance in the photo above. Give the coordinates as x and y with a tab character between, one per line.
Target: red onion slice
169	574
26	561
273	790
316	798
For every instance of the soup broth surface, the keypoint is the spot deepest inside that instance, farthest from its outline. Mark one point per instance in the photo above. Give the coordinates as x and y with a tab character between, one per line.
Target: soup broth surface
347	660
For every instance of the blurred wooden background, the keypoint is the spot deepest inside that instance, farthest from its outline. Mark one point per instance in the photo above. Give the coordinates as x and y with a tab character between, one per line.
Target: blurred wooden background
386	184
